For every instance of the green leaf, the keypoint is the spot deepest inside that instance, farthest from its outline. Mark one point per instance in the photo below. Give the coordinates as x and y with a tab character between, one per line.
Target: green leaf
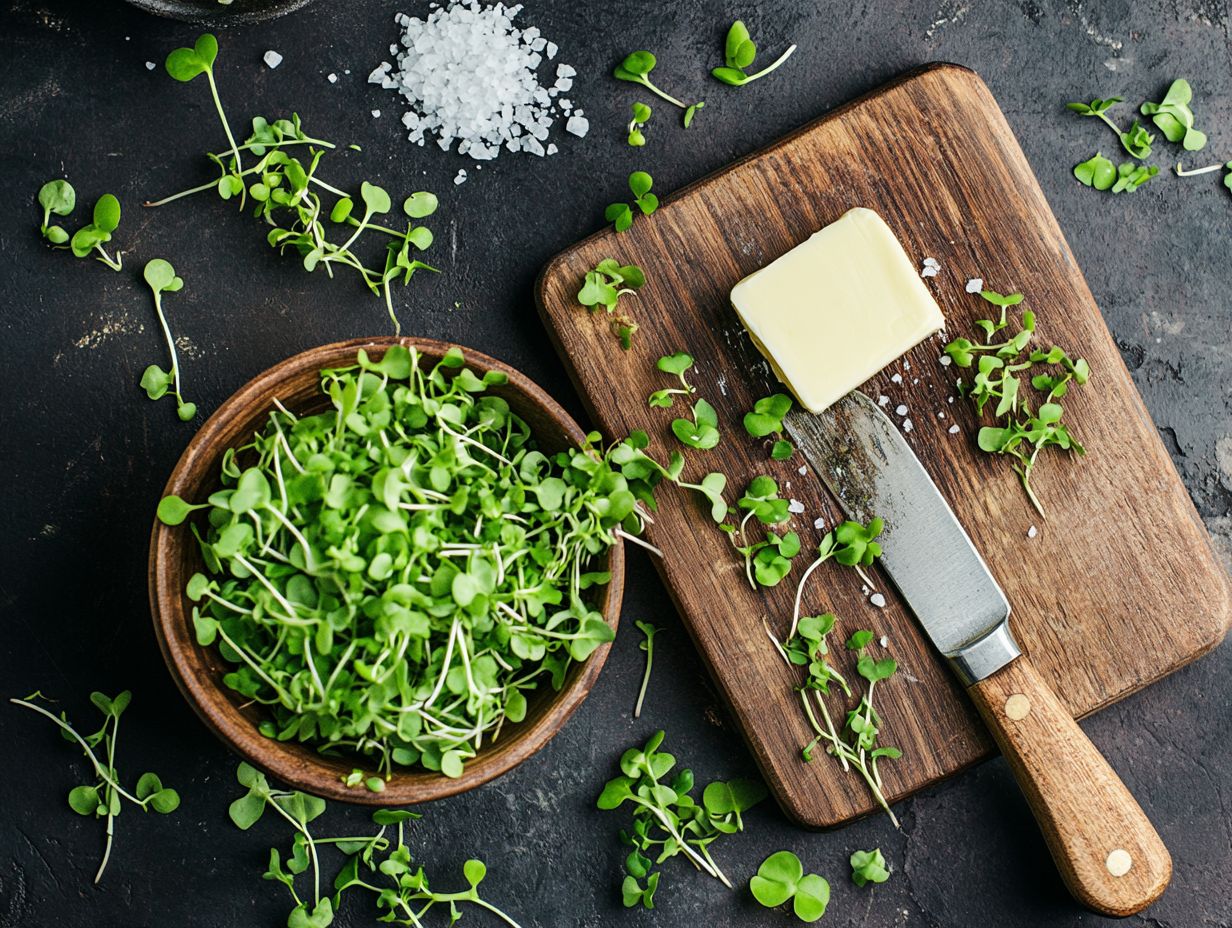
84	800
776	879
637	64
375	198
57	196
247	810
184	64
811	898
420	204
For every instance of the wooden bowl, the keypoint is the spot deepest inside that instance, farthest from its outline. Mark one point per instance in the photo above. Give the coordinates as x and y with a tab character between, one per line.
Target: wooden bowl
198	671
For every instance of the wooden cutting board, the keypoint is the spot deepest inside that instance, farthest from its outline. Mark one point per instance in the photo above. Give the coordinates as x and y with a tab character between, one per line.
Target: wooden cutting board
1117	588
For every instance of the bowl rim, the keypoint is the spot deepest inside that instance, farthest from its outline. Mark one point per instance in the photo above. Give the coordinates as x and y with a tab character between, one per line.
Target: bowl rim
204	691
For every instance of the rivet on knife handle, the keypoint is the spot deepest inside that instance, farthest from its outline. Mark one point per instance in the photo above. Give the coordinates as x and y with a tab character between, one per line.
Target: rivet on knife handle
1106	849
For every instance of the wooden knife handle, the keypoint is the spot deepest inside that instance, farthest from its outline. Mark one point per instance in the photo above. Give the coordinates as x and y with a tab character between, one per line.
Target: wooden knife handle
1105	847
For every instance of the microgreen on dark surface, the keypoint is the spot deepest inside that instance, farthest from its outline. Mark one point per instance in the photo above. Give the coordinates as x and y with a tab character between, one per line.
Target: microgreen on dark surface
667	820
379	864
392	577
868	867
1173	117
637	125
781	879
1100	173
284	190
104	798
1022	431
156	382
738	54
621	214
646	645
636	69
1137	140
57	197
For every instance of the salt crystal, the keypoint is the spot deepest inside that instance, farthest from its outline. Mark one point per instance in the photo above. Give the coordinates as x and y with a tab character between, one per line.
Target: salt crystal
150	66
929	272
552	149
945	360
272	59
906	365
901	409
931	262
897	378
578	125
878	600
460	177
883	400
908	425
376	114
795	506
884	641
803	470
975	285
1032	532
332	78
819	523
469	74
953	430
941	415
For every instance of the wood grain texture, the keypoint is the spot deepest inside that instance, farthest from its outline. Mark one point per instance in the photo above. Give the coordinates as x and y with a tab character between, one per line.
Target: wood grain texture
1106	849
934	156
198	671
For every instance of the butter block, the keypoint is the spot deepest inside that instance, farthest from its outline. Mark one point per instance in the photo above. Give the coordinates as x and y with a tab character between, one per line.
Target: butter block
837	308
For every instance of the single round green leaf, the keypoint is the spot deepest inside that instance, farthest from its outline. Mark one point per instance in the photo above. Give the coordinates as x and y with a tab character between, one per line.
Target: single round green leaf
58	196
639	63
420	204
811	898
83	800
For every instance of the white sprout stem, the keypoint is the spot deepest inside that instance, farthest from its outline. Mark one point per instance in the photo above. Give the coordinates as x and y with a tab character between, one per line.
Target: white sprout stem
638	541
175	361
453	631
1181	172
795	616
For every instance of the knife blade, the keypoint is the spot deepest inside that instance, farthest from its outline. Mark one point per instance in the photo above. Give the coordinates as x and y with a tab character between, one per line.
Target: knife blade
860	454
1106	849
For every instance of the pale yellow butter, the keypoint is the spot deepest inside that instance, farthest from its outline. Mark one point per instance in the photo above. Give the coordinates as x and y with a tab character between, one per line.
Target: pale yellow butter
837	308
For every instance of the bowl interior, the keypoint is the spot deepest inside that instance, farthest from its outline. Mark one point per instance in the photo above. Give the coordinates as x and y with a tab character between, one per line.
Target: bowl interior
198	670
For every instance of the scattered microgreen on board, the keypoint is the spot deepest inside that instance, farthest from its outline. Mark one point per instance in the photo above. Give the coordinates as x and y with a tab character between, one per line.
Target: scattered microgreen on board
781	879
767	419
668	821
1023	430
604	286
739	51
849	544
677	364
768	561
104	798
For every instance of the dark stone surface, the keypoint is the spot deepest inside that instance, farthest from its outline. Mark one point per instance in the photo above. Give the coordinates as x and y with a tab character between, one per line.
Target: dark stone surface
85	454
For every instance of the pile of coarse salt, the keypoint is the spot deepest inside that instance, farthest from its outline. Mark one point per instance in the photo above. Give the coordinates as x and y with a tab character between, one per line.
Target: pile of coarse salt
470	76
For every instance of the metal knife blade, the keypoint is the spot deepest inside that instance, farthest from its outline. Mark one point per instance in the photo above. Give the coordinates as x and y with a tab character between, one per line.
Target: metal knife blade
861	455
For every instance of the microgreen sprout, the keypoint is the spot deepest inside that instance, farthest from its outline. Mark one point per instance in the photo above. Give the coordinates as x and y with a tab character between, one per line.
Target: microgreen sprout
647	645
768	561
667	820
676	364
868	867
767	419
621	214
285	188
1137	141
739	52
1023	432
1173	117
90	238
1210	168
1099	172
850	544
605	285
104	797
156	382
636	69
379	864
701	432
391	577
641	116
781	879
56	197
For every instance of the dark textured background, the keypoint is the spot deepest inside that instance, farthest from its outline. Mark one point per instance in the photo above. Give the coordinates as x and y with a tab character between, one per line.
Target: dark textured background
84	454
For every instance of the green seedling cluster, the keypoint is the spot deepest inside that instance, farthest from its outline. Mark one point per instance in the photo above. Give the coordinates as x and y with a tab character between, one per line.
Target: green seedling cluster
768	561
849	544
379	865
668	821
1102	174
868	867
739	50
767	419
392	577
781	879
104	796
636	68
58	198
1136	140
1023	430
604	286
621	214
287	193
